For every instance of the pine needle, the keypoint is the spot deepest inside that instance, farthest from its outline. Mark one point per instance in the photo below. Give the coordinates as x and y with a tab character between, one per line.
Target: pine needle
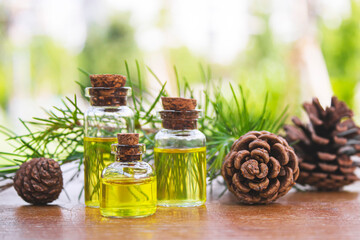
60	134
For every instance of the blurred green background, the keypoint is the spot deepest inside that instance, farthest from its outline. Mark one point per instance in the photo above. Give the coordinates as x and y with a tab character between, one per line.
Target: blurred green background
294	50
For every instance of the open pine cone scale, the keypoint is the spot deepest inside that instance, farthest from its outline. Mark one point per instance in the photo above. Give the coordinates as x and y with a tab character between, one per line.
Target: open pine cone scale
260	167
325	145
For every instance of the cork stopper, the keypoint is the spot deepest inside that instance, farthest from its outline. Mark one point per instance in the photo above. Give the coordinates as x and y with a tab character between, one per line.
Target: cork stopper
128	147
107	80
178	104
107	90
179	113
128	138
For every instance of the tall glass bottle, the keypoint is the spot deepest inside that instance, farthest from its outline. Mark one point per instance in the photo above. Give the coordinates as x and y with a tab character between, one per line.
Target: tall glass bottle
107	116
180	155
128	186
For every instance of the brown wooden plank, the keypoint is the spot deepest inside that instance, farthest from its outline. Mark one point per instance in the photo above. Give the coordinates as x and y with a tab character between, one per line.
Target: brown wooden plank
299	215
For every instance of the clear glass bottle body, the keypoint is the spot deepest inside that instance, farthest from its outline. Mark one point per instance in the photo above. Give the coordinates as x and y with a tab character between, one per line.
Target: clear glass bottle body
102	123
180	165
128	190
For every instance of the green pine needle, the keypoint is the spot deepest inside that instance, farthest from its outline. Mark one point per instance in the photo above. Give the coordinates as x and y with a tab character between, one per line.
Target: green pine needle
60	134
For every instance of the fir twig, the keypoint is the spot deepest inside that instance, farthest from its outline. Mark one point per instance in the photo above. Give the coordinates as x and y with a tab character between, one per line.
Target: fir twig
60	134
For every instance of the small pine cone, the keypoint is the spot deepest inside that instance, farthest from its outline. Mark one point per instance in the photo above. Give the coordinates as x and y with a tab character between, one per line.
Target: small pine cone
39	181
325	145
260	167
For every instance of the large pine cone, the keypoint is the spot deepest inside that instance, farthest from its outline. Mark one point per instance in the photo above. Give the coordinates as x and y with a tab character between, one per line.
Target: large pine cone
325	145
260	168
39	181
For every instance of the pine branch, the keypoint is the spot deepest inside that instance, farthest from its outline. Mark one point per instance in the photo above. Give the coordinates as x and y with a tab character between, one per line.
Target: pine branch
229	120
146	121
225	121
59	136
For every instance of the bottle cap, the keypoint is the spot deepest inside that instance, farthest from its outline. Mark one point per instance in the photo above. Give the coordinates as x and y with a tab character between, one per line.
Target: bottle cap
128	147
107	90
128	138
178	104
179	113
107	80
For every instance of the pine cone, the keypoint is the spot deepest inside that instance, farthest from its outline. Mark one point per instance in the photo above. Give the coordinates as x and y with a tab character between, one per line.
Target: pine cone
39	181
260	167
325	145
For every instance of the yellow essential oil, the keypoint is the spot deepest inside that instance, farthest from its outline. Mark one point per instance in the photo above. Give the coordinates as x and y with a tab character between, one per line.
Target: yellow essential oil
181	176
97	155
124	197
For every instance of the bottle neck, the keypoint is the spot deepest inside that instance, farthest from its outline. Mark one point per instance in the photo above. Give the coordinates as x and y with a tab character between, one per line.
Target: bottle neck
128	153
107	97
179	124
128	158
179	120
100	101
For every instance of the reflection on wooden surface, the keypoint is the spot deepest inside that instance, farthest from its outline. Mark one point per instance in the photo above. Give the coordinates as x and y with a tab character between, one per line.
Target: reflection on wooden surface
299	215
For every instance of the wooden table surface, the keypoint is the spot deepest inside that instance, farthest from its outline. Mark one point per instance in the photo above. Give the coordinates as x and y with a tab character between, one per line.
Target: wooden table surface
298	215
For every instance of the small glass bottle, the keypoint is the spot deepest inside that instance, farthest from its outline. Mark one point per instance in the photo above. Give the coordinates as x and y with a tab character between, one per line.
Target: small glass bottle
180	155
107	116
128	186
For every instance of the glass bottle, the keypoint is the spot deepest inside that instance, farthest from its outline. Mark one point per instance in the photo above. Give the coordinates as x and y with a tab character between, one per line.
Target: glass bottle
128	186
107	116
180	155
